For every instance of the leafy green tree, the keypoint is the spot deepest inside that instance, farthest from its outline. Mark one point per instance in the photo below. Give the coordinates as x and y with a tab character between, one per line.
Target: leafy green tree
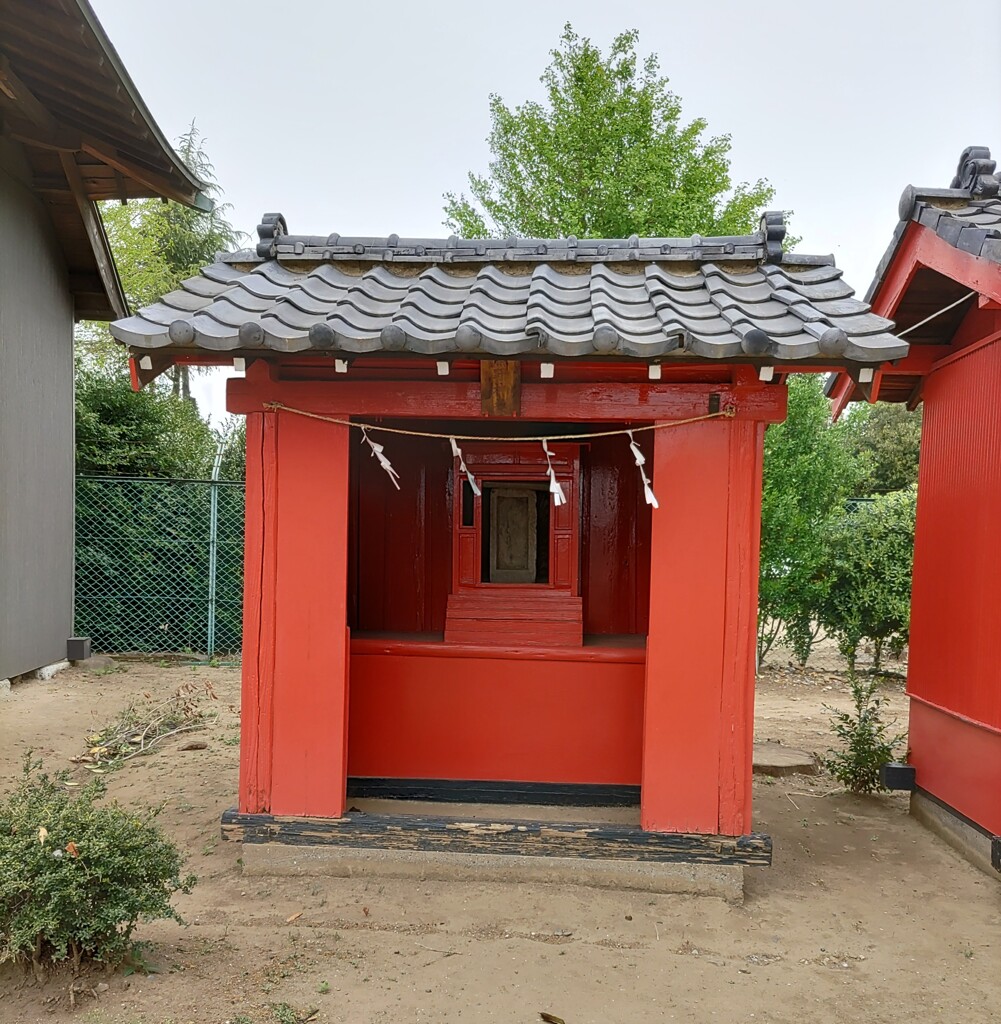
888	437
233	434
607	156
809	470
868	559
150	433
156	246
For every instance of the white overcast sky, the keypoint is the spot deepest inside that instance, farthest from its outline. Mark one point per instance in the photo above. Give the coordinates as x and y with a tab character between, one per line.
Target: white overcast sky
357	117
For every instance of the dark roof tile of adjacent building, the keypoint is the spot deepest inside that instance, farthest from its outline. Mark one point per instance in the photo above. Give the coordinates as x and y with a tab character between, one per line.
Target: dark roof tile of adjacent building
709	298
967	215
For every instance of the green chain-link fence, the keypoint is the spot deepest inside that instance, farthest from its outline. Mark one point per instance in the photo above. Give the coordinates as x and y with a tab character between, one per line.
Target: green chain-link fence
159	564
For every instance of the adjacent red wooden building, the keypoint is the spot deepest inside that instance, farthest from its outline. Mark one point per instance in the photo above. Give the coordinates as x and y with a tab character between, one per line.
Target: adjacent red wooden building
941	282
502	613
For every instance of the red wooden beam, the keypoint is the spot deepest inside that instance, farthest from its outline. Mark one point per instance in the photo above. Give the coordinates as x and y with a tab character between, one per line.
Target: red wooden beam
921	247
550	401
842	395
953	354
920	360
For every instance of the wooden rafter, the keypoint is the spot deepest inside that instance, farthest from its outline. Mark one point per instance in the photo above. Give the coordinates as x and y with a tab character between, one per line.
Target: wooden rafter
22	97
156	182
96	236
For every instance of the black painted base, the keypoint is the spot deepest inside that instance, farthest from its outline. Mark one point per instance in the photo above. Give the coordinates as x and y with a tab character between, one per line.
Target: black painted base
441	834
488	791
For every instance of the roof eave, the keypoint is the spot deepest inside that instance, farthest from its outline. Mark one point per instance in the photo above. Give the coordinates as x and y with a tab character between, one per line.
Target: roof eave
193	192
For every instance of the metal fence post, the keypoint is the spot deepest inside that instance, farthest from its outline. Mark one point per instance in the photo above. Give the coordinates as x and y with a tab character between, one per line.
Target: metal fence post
213	547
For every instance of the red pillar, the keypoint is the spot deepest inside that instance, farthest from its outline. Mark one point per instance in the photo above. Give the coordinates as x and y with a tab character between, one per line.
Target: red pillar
699	696
295	652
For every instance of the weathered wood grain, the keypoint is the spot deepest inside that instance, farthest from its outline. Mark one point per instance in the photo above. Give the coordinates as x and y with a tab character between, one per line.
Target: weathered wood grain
500	387
507	837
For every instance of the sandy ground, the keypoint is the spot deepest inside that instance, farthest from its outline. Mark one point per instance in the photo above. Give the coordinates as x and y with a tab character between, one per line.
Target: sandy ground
863	916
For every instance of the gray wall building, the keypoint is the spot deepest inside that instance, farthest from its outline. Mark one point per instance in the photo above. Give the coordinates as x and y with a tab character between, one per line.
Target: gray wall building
73	130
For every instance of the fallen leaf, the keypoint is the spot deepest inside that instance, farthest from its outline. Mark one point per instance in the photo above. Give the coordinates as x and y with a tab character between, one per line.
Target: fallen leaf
551	1018
293	917
364	910
43	834
72	850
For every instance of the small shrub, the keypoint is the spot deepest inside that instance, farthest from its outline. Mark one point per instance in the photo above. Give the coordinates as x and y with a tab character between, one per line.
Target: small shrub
77	876
866	738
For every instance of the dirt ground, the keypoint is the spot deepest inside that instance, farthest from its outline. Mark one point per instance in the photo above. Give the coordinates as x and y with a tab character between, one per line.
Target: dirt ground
864	916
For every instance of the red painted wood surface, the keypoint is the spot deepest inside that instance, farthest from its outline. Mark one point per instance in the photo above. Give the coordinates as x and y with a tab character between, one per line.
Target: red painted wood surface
310	594
505	614
551	401
544	613
409	532
921	247
400	545
736	763
258	614
293	748
401	366
517	462
955	646
553	718
616	525
958	761
684	672
583	714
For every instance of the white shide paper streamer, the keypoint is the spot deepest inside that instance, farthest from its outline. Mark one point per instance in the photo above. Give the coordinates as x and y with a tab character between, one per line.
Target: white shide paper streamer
383	461
559	498
651	498
457	453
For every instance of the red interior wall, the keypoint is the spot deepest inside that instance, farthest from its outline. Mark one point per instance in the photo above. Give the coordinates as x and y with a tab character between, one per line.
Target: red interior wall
400	547
616	567
539	719
400	541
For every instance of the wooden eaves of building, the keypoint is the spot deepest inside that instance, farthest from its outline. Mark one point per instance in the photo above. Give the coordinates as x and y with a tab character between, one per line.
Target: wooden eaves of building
505	620
73	130
940	281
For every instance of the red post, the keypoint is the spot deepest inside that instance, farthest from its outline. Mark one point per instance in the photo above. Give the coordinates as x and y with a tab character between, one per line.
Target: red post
740	634
698	712
258	613
295	677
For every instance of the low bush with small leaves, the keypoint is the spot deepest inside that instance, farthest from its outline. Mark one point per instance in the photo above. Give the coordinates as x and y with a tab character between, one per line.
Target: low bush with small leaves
77	875
866	737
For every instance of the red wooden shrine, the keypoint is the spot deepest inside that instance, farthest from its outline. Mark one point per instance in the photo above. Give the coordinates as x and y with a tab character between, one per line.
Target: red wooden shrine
941	282
514	617
435	673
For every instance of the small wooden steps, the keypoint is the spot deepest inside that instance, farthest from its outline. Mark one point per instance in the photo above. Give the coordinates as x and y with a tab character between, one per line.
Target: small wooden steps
515	616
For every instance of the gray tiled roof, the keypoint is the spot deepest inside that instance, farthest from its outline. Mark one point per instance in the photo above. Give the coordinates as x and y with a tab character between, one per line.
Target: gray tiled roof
967	215
712	298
